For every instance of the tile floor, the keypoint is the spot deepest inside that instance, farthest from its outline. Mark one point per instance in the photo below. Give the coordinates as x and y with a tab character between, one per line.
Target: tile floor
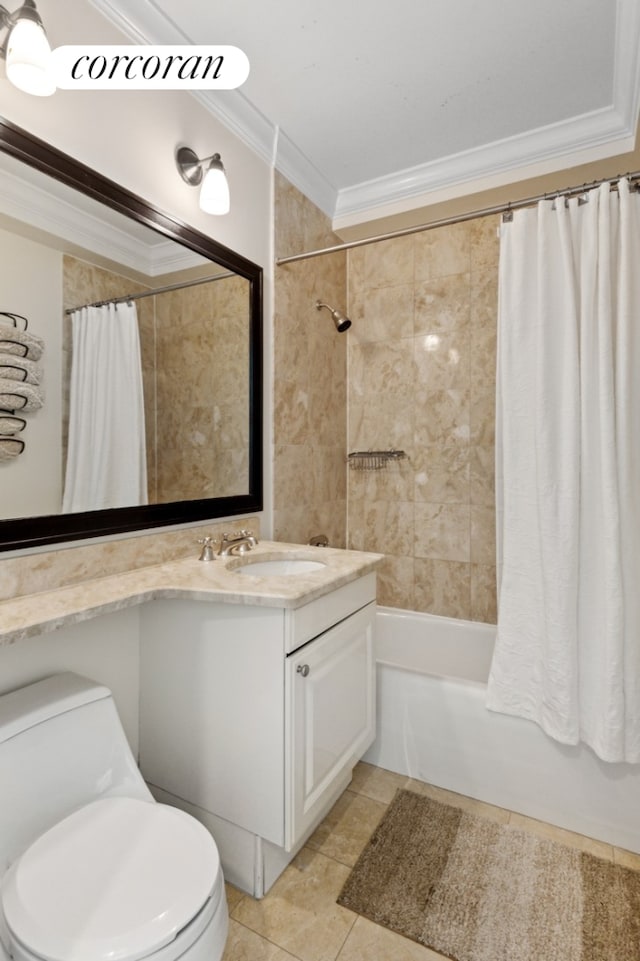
299	919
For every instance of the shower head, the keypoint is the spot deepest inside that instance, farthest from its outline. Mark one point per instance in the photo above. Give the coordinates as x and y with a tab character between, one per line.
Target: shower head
340	320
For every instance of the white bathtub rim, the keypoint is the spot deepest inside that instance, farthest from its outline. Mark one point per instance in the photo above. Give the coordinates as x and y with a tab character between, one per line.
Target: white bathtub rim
434	645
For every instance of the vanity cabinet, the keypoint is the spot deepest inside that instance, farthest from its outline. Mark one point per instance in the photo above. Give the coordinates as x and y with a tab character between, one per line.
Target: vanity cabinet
253	717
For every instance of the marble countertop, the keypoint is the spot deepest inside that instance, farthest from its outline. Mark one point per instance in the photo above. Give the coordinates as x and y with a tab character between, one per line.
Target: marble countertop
188	578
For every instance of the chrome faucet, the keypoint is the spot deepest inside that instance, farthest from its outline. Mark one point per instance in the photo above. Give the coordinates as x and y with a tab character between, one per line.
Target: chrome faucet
237	542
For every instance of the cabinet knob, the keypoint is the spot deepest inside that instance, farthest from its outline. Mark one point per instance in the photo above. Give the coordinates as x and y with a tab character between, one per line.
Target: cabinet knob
302	669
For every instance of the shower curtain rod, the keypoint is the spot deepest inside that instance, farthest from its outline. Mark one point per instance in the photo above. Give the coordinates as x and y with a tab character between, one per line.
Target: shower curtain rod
152	293
459	218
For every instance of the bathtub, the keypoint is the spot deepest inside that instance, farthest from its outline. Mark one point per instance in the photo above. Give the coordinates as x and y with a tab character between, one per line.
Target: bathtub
432	724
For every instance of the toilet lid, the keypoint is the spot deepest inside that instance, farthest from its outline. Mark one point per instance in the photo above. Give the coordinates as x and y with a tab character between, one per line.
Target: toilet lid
116	879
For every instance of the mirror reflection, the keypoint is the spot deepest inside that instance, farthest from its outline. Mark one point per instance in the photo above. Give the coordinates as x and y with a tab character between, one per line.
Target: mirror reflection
146	360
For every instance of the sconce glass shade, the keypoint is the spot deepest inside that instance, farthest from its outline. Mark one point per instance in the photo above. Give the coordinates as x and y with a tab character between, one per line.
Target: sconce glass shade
29	61
214	193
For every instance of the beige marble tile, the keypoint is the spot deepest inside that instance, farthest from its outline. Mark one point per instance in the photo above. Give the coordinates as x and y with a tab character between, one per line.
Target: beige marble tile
442	532
245	945
299	224
381	423
395	582
482	476
443	251
482	417
381	370
484	603
443	305
541	829
394	482
442	360
371	942
300	913
292	475
442	417
442	474
483	300
485	243
328	474
483	534
376	782
388	263
345	831
387	524
482	358
442	587
297	523
381	313
291	413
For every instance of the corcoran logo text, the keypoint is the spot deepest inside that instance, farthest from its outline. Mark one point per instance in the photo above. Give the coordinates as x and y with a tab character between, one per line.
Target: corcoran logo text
129	67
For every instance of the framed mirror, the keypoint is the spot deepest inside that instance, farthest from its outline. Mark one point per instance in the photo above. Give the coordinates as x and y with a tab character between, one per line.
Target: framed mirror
71	239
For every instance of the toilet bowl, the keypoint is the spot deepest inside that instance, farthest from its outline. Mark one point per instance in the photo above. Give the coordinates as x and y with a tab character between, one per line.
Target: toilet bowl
96	870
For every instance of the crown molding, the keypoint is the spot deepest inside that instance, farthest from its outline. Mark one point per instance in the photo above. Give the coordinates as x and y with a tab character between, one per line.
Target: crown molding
299	171
41	209
560	145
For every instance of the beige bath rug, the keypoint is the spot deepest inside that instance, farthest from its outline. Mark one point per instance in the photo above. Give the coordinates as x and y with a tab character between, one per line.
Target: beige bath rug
476	890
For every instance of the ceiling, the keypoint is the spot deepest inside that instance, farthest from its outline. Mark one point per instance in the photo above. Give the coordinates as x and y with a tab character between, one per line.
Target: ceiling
368	104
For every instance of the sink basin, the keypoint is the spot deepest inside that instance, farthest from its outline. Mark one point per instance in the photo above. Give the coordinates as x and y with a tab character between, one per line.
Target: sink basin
283	567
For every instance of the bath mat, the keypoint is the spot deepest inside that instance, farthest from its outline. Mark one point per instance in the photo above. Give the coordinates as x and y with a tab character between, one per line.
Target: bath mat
475	890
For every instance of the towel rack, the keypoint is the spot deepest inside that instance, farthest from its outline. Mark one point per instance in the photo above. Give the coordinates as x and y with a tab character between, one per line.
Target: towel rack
374	459
19	380
14	318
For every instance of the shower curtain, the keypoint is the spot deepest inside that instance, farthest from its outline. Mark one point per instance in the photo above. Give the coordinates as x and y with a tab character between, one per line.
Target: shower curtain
567	652
106	457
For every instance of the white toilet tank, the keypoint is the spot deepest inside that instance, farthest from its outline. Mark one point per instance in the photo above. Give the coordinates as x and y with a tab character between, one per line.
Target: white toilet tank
61	746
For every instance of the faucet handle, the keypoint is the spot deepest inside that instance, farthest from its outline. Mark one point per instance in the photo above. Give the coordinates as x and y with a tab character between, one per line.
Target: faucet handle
208	544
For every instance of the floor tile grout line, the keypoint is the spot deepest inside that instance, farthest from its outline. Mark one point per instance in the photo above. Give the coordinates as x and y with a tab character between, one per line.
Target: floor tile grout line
268	940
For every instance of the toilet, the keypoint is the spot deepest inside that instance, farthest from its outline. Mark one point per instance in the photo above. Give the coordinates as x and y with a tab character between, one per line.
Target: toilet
91	867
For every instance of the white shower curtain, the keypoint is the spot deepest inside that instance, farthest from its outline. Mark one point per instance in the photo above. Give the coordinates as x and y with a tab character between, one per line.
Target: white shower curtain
568	471
106	457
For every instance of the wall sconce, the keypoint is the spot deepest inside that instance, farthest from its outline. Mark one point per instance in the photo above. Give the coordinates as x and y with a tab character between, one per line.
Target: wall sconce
214	193
27	51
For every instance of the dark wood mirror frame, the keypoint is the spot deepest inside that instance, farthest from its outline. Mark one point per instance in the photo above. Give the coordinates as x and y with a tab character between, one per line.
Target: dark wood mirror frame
50	529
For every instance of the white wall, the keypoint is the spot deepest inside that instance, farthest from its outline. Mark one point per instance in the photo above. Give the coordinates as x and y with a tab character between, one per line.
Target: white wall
32	482
105	650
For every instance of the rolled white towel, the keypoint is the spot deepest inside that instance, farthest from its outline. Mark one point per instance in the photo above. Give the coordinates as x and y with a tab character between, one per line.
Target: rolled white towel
20	342
19	368
11	425
18	396
10	447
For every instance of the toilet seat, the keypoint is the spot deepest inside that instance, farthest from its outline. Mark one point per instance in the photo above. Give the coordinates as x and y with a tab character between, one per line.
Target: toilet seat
118	879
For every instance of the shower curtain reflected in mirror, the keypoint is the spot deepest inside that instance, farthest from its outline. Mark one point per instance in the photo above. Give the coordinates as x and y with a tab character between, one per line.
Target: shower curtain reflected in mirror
567	651
106	457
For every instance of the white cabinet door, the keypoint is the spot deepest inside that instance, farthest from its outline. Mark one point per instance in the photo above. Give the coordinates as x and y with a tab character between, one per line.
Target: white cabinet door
330	693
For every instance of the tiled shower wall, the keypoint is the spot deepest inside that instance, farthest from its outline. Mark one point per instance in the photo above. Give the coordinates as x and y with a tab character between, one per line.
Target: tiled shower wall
422	379
310	385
